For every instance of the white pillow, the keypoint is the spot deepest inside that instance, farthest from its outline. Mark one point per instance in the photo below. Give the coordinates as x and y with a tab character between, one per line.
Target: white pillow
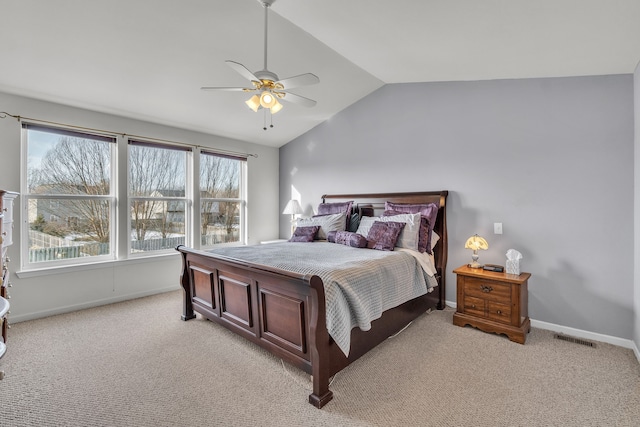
410	233
327	223
434	239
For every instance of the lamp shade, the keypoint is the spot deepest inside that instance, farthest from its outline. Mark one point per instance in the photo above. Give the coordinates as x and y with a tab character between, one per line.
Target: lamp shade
267	100
476	242
293	208
253	103
276	107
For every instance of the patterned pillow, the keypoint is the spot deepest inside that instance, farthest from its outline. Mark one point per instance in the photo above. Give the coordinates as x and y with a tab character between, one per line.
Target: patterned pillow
305	234
427	210
383	235
347	238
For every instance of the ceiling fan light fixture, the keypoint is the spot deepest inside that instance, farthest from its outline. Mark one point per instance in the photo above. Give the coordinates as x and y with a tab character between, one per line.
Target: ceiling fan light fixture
269	89
267	100
253	103
276	106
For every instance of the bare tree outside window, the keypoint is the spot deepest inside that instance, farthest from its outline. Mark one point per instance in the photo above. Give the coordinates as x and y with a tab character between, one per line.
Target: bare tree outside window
157	187
69	186
220	199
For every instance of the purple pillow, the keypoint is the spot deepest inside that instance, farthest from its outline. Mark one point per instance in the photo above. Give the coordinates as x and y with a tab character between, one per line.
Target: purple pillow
426	210
423	233
384	235
305	234
334	208
347	238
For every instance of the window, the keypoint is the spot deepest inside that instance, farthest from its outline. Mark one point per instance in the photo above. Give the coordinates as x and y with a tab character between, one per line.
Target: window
172	194
157	196
222	207
69	195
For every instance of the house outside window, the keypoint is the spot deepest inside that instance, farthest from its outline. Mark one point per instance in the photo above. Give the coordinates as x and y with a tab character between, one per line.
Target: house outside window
158	199
222	199
68	175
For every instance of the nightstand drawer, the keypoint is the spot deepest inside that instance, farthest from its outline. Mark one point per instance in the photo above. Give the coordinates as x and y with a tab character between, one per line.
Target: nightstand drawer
474	306
487	290
499	312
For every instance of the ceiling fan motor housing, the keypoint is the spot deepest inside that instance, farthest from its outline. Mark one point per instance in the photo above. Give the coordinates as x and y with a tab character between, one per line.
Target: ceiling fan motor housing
266	75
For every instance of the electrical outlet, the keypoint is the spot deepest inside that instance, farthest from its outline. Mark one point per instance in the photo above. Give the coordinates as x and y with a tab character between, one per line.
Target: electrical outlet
497	228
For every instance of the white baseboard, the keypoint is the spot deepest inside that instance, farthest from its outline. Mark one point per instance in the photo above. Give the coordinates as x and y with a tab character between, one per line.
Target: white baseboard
579	333
90	304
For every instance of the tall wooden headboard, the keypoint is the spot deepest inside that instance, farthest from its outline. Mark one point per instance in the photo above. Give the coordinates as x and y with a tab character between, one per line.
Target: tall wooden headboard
378	200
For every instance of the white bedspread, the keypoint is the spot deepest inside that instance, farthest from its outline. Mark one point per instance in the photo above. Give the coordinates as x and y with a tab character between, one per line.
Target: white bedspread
360	284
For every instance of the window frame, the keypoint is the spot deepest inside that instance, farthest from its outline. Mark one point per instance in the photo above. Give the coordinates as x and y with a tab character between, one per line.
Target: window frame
27	198
187	199
120	201
242	199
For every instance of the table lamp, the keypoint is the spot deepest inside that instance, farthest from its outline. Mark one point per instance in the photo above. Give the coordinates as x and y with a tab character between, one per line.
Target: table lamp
292	208
476	242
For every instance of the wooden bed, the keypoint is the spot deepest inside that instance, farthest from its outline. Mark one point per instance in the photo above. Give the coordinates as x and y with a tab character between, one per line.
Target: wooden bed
284	312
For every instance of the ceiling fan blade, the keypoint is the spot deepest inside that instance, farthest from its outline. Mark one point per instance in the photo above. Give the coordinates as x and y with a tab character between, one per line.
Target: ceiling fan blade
297	99
230	89
301	80
242	70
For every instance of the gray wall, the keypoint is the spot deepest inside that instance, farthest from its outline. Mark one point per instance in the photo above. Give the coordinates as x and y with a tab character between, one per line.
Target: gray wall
552	159
37	295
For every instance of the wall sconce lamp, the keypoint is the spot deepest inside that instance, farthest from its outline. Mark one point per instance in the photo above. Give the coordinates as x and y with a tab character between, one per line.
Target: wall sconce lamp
475	243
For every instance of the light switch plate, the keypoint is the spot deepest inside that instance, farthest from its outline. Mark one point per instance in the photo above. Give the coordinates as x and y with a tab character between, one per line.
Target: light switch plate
497	228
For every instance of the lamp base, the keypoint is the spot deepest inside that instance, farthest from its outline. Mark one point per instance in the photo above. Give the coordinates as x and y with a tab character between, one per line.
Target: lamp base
474	265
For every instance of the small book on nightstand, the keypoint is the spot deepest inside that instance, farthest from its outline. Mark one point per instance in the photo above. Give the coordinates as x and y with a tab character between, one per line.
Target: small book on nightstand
493	267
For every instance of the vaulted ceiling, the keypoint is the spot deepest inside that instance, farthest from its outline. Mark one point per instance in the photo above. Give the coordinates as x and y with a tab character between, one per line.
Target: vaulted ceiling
148	59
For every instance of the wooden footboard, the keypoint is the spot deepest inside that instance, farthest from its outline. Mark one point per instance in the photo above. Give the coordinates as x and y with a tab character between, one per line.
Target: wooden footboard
280	311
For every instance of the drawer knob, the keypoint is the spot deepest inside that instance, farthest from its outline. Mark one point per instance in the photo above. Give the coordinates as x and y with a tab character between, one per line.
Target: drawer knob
486	288
499	312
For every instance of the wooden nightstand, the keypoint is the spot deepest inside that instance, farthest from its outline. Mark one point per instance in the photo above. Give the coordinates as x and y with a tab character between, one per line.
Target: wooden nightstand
493	302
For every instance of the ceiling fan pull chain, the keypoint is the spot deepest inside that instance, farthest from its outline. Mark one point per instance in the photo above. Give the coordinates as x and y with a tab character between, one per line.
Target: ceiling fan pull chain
264	119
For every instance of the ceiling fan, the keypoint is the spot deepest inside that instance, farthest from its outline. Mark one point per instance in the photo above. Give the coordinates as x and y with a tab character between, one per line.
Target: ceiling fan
267	86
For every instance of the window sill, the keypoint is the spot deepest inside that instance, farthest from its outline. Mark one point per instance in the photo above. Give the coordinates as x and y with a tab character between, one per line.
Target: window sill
25	274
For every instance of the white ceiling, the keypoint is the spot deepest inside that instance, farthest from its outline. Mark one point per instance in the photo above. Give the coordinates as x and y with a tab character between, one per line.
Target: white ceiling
147	59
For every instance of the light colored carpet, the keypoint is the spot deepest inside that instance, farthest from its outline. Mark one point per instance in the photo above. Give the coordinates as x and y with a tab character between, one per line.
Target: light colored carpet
137	364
